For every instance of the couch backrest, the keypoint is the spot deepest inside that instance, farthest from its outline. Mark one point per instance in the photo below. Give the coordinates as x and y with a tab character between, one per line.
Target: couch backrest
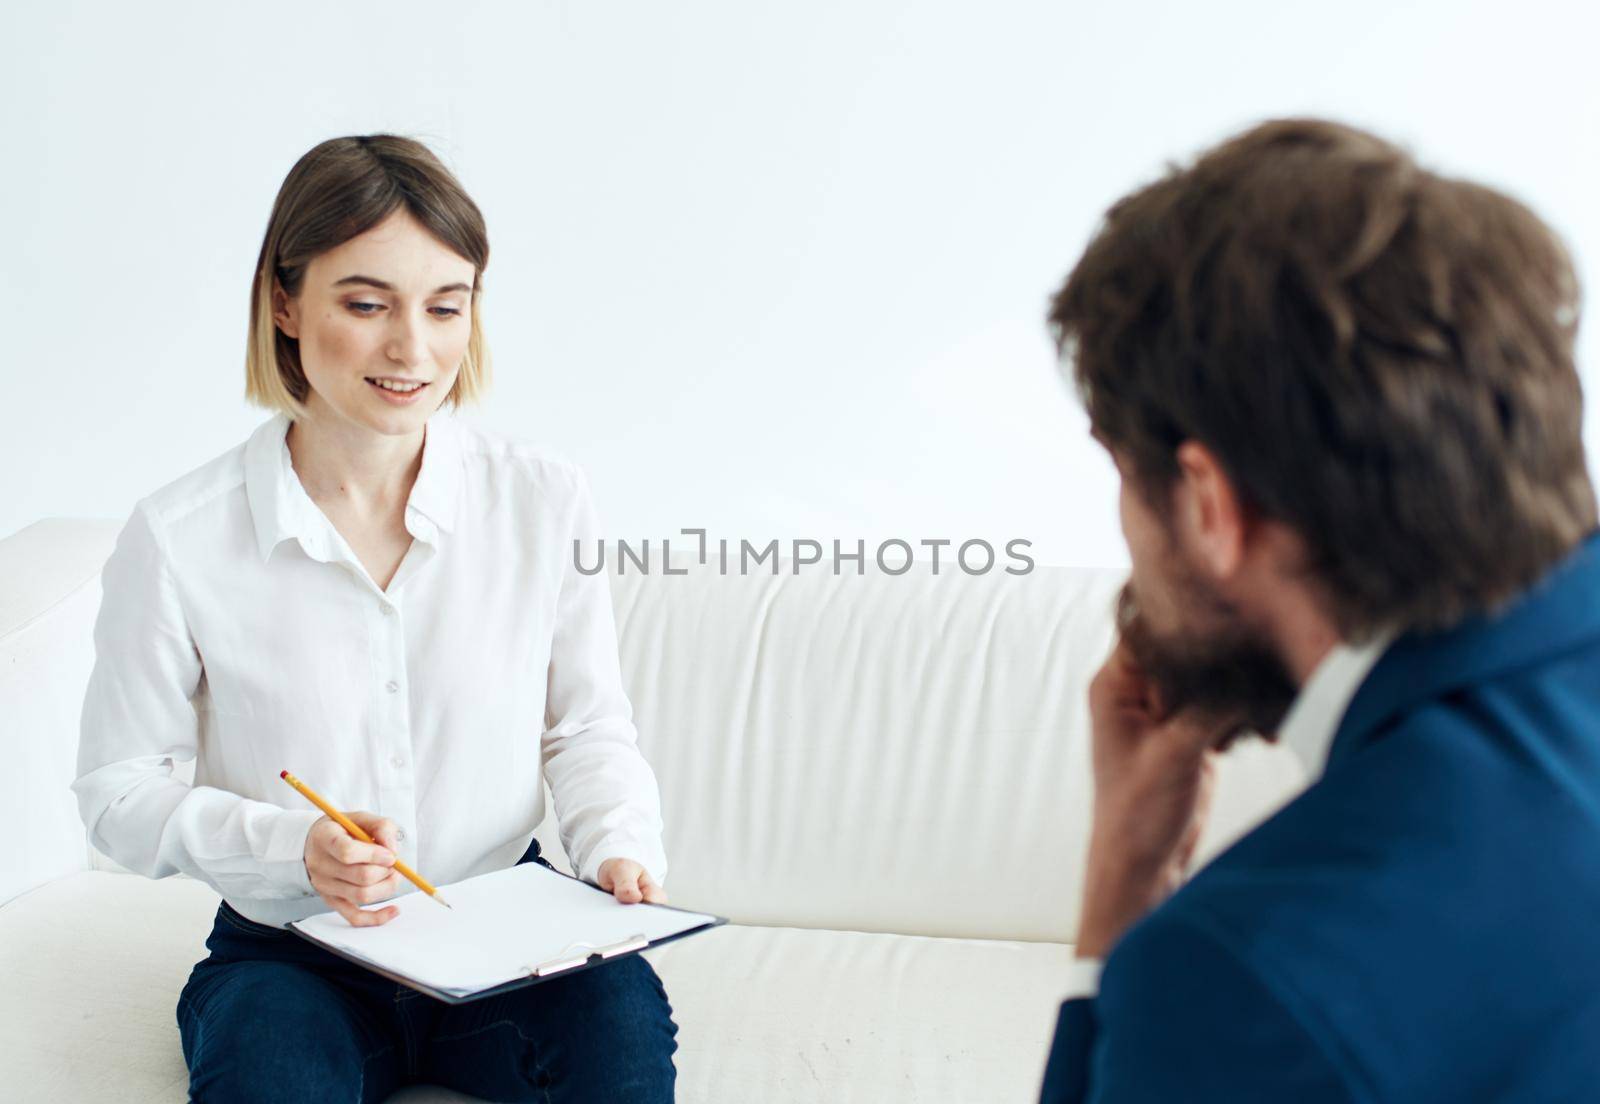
886	753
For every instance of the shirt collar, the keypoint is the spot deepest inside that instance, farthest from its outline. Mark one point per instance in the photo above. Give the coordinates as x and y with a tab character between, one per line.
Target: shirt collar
281	509
1308	728
436	494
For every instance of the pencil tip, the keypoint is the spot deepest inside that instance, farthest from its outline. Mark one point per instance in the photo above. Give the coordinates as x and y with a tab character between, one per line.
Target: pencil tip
443	902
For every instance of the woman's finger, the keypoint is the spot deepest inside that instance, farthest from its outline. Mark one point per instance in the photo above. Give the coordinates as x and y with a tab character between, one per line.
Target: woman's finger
372	894
380	828
362	918
625	883
351	851
362	874
653	893
332	887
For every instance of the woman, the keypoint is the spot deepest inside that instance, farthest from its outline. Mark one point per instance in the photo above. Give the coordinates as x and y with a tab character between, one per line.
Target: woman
384	602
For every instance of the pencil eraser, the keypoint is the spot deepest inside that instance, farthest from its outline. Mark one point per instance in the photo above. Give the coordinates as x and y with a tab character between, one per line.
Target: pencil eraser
283	774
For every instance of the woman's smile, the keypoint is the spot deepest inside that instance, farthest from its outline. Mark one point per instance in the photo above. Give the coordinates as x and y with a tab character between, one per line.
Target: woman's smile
398	392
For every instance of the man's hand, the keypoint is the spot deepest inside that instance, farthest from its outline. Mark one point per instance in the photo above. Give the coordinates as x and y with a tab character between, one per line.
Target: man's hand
630	883
347	873
1153	777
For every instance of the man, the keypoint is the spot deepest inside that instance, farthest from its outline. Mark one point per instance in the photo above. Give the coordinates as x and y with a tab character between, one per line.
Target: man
1341	395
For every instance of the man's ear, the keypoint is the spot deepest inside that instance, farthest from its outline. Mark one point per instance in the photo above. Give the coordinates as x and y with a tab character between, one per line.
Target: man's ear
1211	511
284	312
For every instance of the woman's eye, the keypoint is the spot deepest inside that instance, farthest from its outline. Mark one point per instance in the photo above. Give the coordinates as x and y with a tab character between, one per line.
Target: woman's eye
373	308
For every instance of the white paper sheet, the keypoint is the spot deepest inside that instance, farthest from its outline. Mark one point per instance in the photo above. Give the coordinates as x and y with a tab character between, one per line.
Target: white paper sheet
500	926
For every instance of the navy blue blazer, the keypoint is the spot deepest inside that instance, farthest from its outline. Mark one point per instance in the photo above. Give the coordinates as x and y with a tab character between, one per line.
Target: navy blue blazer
1421	924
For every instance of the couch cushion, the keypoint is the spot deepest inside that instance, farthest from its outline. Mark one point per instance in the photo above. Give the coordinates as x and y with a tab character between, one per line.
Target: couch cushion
95	962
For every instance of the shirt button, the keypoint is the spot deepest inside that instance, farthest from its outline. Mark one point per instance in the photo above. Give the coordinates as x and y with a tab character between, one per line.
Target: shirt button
388	610
400	834
399	760
392	686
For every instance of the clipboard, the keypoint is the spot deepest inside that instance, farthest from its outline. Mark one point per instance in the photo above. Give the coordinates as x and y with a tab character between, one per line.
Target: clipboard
575	957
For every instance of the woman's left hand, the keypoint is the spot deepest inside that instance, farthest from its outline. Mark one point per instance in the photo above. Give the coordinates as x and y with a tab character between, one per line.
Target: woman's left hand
630	883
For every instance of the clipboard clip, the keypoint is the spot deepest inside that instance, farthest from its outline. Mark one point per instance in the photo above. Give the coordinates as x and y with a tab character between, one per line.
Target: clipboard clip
578	954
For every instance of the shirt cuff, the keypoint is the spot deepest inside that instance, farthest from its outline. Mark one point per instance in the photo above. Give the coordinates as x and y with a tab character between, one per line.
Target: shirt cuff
1083	978
285	860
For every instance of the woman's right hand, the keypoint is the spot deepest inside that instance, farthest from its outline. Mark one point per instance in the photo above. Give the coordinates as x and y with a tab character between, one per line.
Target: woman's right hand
348	873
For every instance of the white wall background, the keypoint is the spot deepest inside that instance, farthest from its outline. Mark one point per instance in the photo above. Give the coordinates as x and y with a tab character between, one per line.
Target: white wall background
778	270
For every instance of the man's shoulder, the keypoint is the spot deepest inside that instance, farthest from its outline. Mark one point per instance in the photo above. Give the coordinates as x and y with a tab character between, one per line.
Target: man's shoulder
1436	785
1421	815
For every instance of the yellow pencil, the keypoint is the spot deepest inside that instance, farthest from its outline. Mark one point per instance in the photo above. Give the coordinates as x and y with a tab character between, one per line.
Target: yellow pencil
355	830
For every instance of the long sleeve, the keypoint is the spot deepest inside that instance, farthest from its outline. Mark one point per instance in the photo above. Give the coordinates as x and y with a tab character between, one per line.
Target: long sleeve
137	721
1180	1017
606	797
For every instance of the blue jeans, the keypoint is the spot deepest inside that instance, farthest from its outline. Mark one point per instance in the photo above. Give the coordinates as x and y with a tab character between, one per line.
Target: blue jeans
269	1016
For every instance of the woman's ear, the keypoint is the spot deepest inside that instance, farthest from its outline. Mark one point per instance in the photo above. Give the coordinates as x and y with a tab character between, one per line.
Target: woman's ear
285	312
1211	511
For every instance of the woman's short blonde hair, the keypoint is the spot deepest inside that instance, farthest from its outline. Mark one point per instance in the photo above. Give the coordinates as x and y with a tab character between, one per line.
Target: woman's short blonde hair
342	188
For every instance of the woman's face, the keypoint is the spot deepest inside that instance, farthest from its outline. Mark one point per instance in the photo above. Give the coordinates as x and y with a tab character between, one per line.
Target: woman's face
391	305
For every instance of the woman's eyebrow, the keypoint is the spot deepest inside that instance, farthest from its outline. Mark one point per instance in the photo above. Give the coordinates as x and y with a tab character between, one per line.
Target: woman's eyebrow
386	286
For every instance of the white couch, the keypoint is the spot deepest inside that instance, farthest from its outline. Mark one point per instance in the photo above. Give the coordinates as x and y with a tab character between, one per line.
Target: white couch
883	781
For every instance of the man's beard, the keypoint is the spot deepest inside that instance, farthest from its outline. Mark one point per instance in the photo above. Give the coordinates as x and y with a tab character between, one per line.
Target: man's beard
1225	676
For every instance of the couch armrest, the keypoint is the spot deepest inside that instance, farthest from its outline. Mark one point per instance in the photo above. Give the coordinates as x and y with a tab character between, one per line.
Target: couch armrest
49	595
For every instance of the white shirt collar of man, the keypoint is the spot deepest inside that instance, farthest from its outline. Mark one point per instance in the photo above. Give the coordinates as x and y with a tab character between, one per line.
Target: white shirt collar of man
1312	721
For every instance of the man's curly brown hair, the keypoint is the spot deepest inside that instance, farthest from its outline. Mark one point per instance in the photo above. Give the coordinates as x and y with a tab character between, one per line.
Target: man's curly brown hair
1380	357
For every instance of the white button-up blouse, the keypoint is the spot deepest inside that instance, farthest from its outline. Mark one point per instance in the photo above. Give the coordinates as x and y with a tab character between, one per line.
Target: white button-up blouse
238	629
